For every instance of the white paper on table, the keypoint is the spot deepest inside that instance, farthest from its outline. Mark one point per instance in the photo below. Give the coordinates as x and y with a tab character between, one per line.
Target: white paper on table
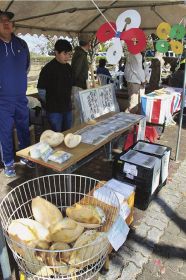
118	233
94	134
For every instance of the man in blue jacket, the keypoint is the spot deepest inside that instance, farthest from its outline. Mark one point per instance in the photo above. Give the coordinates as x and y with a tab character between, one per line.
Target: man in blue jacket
14	63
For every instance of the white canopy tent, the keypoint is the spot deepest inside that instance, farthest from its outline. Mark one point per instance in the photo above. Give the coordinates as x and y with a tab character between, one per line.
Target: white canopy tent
72	17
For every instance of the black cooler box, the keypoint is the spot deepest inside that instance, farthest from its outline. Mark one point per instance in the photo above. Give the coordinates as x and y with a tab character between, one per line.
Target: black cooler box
160	151
141	170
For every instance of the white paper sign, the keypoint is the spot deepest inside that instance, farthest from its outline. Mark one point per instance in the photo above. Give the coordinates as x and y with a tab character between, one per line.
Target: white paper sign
96	102
107	103
124	210
90	104
141	129
130	169
165	166
118	233
156	177
129	176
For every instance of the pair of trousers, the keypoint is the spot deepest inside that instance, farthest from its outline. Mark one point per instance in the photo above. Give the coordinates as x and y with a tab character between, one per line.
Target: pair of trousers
134	97
13	115
60	121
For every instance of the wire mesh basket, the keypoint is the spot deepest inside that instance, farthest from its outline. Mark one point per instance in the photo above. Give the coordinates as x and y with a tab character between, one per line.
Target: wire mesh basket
62	190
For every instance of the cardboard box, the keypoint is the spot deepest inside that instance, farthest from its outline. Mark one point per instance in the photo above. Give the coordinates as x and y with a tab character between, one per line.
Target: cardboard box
125	193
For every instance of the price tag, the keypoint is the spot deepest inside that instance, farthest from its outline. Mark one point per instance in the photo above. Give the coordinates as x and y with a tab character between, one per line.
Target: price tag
118	233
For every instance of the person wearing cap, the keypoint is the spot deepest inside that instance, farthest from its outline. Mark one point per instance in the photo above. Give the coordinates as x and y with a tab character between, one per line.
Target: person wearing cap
55	86
14	64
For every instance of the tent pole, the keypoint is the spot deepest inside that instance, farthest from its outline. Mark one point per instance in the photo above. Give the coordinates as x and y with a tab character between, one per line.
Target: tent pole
181	116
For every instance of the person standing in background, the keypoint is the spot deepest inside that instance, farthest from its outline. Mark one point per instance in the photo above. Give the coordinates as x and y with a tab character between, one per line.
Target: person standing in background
177	78
154	80
80	69
55	86
135	77
80	62
101	69
14	64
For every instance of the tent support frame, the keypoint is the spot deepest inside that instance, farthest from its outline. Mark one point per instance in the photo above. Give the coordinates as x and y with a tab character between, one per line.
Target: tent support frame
181	116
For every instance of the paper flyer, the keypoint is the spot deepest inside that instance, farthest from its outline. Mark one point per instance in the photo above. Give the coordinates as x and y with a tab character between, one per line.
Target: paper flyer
118	233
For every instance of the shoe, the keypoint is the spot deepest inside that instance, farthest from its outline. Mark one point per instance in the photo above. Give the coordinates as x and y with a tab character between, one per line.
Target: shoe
27	162
9	171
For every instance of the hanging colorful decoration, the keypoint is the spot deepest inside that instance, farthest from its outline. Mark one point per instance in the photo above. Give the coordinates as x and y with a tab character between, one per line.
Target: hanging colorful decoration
127	29
169	37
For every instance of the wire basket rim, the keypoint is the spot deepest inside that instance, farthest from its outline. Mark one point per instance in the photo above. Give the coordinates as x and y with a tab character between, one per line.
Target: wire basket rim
26	183
50	175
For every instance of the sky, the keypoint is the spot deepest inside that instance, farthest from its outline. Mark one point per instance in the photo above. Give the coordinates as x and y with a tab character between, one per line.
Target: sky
35	42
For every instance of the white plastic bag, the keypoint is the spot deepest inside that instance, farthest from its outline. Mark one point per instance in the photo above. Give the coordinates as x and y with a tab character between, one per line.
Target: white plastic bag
60	156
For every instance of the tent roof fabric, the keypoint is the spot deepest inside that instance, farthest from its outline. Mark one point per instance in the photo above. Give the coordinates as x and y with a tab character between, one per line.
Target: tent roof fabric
63	18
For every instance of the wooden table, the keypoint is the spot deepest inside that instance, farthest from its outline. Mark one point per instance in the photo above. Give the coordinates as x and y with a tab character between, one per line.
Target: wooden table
85	152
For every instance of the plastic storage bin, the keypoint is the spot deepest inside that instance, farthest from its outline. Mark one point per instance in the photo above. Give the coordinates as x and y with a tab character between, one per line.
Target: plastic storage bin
141	170
159	151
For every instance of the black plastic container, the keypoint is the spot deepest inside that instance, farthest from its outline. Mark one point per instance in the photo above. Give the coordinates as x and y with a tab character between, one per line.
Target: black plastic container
159	151
141	170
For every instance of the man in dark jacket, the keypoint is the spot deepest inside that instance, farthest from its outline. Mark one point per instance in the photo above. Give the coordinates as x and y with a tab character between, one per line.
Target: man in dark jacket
177	78
80	74
55	86
80	62
14	63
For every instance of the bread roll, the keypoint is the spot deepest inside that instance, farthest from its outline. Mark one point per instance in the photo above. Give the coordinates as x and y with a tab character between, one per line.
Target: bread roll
66	230
52	138
72	140
97	248
45	212
86	214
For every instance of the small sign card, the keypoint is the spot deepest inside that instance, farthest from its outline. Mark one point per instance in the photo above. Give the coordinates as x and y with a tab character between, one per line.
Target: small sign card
118	233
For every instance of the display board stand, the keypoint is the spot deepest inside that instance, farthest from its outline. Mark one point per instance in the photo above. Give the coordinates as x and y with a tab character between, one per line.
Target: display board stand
96	102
